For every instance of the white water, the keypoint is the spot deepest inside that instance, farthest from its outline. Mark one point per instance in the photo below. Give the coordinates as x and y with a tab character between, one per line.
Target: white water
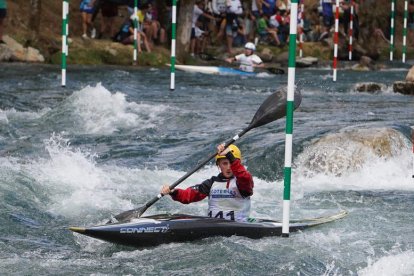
98	111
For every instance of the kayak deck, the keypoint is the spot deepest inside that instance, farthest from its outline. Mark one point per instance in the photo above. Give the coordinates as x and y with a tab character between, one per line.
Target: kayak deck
165	228
213	70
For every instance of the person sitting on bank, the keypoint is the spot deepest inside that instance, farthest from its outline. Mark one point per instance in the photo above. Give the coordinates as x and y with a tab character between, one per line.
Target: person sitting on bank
126	35
248	60
228	193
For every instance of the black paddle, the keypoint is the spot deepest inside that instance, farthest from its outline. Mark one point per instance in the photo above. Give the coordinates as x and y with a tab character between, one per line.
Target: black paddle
273	108
272	70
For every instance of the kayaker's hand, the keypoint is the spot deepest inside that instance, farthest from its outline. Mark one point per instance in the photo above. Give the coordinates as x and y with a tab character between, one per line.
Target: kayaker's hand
165	190
229	60
221	150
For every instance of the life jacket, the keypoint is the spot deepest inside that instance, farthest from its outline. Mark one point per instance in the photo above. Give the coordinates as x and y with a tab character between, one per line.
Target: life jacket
246	62
226	202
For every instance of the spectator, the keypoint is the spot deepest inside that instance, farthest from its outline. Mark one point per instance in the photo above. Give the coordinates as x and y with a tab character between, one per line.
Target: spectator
109	12
283	20
256	9
87	9
234	8
269	7
197	11
219	8
201	39
283	5
152	26
240	36
328	18
346	6
3	14
265	31
126	35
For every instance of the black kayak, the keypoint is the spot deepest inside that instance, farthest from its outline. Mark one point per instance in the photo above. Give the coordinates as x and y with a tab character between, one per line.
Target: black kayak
167	228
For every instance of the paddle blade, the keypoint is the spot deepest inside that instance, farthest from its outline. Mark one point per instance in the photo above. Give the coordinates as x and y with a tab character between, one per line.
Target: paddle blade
273	108
128	215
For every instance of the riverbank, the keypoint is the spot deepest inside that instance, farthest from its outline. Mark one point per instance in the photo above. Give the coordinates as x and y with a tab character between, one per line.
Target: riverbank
99	52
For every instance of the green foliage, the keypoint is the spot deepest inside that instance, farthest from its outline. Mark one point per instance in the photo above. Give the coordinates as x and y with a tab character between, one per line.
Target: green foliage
120	56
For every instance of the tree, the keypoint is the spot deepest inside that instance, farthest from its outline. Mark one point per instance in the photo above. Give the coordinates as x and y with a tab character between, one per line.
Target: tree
184	27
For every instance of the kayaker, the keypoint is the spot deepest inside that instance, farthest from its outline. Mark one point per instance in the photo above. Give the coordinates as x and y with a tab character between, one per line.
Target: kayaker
248	60
228	193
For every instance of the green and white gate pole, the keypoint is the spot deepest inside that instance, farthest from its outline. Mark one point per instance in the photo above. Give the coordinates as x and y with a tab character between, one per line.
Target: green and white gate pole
392	31
336	40
135	16
173	43
289	117
404	51
65	30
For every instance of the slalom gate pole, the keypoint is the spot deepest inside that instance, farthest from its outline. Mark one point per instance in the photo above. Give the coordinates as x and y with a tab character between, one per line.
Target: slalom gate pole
173	43
65	11
351	28
392	31
404	50
336	39
135	32
412	141
302	25
67	29
289	117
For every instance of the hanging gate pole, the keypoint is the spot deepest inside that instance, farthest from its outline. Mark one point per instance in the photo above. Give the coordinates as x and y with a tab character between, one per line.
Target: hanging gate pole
173	43
289	117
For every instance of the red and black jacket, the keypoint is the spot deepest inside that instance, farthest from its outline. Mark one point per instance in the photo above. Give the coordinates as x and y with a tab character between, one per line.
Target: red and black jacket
199	192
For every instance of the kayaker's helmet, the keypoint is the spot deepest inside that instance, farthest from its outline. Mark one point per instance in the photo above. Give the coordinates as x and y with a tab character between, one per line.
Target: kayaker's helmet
235	150
250	46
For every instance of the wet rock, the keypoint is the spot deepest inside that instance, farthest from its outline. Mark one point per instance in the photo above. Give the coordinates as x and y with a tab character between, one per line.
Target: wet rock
365	64
306	61
359	67
5	53
365	61
282	57
20	53
370	87
349	150
33	55
266	55
111	51
410	75
404	87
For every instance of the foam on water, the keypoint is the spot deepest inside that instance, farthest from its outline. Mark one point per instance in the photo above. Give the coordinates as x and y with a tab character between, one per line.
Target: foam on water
99	111
397	264
79	187
6	116
71	180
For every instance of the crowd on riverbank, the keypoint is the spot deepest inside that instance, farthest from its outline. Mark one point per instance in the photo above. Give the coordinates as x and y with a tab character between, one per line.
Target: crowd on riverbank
231	23
216	27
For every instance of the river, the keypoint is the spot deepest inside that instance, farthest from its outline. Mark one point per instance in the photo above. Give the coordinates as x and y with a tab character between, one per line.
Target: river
75	156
